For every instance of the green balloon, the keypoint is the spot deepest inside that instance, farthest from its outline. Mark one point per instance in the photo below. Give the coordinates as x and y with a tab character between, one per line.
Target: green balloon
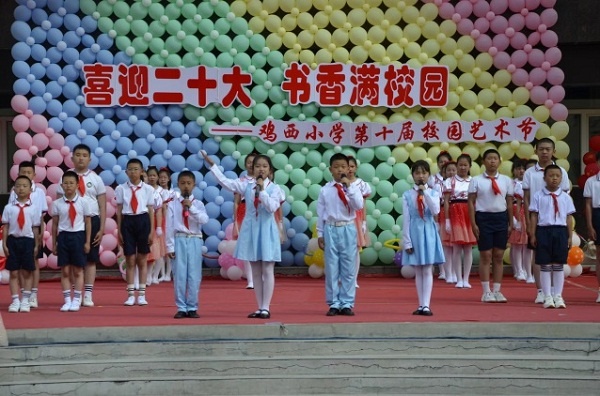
368	256
156	28
260	111
243	60
104	9
173	60
401	186
206	26
88	7
275	76
137	11
384	205
398	207
297	176
371	224
257	43
191	112
209	112
105	24
122	42
122	27
315	175
173	11
383	171
189	10
262	147
259	60
173	45
222	26
139	28
280	147
245	145
259	77
205	9
226	114
400	171
243	113
156	60
259	94
279	161
121	9
385	236
140	59
240	43
222	9
190	60
224	60
208	59
189	27
285	189
314	158
207	44
366	171
297	160
239	26
309	109
156	45
313	191
365	155
385	222
223	43
369	206
173	27
276	95
139	44
190	43
476	255
299	207
227	146
294	111
383	153
156	10
384	188
275	58
299	192
386	255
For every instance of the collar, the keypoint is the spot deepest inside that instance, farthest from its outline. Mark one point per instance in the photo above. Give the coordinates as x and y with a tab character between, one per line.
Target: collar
538	168
547	192
468	178
495	176
73	200
131	185
416	188
181	198
26	203
84	174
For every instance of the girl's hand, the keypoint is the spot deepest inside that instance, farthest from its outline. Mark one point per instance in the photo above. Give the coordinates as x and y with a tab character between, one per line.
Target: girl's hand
159	231
321	242
207	158
410	251
448	226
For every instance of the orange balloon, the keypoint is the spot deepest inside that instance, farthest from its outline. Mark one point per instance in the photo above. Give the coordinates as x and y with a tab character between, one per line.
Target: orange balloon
575	256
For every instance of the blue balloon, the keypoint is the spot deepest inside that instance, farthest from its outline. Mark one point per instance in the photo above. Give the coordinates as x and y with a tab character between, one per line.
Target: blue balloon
141	112
21	69
21	87
158	160
72	141
107	126
228	163
53	72
71	90
159	130
198	194
176	129
71	125
227	195
213	210
142	128
53	55
177	146
21	51
70	72
54	107
123	113
107	112
122	57
176	163
159	146
211	146
285	245
124	145
92	143
71	108
37	104
55	123
300	241
286	208
89	112
87	40
192	129
72	6
212	227
210	179
107	176
19	29
194	145
141	146
145	161
122	161
210	193
287	258
38	15
38	70
54	5
87	56
175	112
227	209
38	88
299	223
230	174
105	41
125	128
157	112
107	161
90	125
121	177
38	52
70	56
193	162
71	39
71	21
107	143
38	34
53	36
22	13
104	56
299	259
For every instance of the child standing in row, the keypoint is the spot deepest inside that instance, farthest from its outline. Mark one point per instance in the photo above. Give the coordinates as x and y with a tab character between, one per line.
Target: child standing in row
239	211
163	270
20	223
135	222
336	209
158	246
591	193
458	223
449	170
360	221
184	220
490	214
71	234
520	255
437	182
551	234
420	234
259	239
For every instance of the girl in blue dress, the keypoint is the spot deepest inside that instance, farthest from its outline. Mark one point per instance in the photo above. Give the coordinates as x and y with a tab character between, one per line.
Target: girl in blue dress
421	239
258	240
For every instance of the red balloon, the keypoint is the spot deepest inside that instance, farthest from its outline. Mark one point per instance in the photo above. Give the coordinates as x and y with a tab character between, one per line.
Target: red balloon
591	169
589	157
595	143
581	181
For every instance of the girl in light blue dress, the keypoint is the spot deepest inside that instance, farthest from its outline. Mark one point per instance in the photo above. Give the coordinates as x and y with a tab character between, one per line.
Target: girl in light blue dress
258	241
421	239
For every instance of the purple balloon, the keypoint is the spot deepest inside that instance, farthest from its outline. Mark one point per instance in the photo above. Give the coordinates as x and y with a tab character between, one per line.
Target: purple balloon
518	41
499	6
549	38
481	8
465	27
501	60
532	4
519	58
501	42
398	258
446	10
483	43
464	8
538	95
516	5
520	77
533	39
536	57
517	22
549	17
532	21
548	3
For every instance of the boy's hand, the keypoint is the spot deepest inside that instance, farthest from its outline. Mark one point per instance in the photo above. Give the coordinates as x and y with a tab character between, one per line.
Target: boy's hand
151	238
6	252
120	238
98	238
55	250
171	255
86	247
321	243
475	229
533	241
592	235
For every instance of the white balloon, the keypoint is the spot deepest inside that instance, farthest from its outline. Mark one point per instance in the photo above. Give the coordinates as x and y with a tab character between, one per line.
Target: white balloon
407	271
575	240
2	249
234	273
4	276
315	271
576	271
567	270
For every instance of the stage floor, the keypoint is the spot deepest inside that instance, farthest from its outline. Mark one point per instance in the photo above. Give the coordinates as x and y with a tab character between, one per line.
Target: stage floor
300	300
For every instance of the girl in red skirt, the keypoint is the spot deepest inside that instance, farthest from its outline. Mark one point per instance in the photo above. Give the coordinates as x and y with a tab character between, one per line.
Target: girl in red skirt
360	221
449	170
457	223
437	182
520	255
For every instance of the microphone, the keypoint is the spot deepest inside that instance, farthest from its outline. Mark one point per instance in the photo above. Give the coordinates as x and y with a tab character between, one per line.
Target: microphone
421	183
186	208
343	176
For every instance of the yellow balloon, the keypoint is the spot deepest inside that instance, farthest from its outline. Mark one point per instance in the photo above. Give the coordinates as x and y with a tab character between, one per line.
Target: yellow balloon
412	50
273	23
466	44
377	52
468	99
286	5
323	38
472	150
271	6
323	56
433	152
485	80
394	52
339	37
393	15
358	55
338	19
375	16
291	56
274	41
256	24
337	4
563	163
502	78
358	35
525	150
448	27
400	154
486	97
504	112
412	32
254	7
521	95
451	115
514	145
321	19
429	11
394	34
488	115
466	63
289	39
503	96
306	39
410	14
506	151
376	34
506	257
454	151
562	149
238	7
431	47
541	113
469	115
418	153
506	168
484	61
543	131
357	17
466	80
430	30
450	61
305	20
559	129
475	169
341	55
522	110
449	46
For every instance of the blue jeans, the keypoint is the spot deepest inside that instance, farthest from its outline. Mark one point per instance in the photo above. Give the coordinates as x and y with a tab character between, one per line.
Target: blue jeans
340	265
187	272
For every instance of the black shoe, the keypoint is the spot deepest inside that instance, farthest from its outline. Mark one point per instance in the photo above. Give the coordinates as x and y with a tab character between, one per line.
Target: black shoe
193	314
255	314
419	311
426	311
347	312
264	314
333	312
180	315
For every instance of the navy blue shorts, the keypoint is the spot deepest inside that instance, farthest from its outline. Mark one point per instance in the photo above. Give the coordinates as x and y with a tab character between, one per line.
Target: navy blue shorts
596	224
21	253
493	230
134	231
94	255
552	245
70	248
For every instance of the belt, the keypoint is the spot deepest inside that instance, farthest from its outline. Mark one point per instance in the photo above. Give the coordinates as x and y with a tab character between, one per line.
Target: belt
184	235
339	223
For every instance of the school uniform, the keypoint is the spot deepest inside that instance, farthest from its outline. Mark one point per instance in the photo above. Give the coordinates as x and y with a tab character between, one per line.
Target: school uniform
38	200
518	237
419	229
461	232
533	180
336	210
551	233
135	222
21	238
241	209
71	231
491	211
592	191
360	221
158	247
91	186
183	236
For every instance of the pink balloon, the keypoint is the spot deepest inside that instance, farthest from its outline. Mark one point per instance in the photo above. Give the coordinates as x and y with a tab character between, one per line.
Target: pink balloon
33	150
20	123
446	10
548	3
21	155
501	42
481	8
23	140
110	211
463	8
501	60
482	24
499	6
520	77
48	201
516	5
538	95
483	43
14	171
64	150
40	174
54	174
229	232
537	76
549	17
465	27
54	157
52	262
19	103
46	235
109	242
41	141
49	224
57	141
556	93
533	39
532	4
41	161
51	191
536	57
519	58
226	260
559	112
239	263
555	76
517	22
68	160
499	24
38	123
108	258
43	261
110	194
553	55
49	132
549	38
518	41
110	225
532	21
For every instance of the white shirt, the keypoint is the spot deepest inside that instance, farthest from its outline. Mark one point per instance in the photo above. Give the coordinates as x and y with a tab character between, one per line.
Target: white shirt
363	187
176	225
330	207
518	189
60	209
533	180
10	216
592	190
144	194
158	198
486	200
543	204
431	198
94	187
457	187
37	197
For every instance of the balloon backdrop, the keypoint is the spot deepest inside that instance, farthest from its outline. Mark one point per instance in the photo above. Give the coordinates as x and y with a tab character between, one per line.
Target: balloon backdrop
502	57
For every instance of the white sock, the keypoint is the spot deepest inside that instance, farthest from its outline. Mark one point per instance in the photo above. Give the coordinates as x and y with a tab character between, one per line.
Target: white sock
558	279
497	287
268	284
546	281
486	287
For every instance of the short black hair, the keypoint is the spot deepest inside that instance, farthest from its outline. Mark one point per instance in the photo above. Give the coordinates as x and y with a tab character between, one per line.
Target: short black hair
546	140
27	164
550	167
490	151
420	164
72	174
338	157
519	163
136	162
24	178
82	146
186	173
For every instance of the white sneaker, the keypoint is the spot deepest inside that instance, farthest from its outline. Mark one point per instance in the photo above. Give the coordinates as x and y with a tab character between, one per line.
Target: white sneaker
539	299
442	276
598	299
75	305
549	302
488	297
87	301
559	302
25	307
66	306
33	302
130	301
500	297
14	306
141	300
521	276
459	284
466	285
531	279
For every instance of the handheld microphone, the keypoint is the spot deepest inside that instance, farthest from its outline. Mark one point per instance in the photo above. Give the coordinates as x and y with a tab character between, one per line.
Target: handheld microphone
186	208
421	183
343	176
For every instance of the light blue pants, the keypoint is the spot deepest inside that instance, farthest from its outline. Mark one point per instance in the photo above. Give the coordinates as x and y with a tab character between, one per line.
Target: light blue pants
340	265
187	272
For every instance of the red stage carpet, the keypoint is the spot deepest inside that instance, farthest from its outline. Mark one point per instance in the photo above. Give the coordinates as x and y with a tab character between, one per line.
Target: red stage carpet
299	300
